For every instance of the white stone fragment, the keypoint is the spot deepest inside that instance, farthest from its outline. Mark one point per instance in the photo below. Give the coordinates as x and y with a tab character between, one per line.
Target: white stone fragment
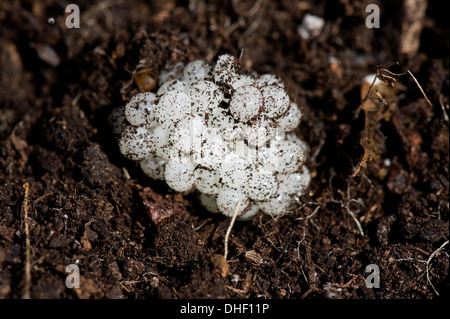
311	26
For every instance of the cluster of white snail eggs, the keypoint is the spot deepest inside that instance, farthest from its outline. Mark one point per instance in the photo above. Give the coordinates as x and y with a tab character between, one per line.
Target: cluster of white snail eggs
220	132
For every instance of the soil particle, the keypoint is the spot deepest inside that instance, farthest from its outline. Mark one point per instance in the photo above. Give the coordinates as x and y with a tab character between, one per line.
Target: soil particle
177	240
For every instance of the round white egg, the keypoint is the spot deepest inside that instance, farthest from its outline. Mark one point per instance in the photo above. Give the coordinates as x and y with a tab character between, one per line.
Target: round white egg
172	107
139	109
246	103
179	174
228	199
275	100
135	142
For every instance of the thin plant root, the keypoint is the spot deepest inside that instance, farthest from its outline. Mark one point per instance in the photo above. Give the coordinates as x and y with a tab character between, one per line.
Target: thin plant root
227	235
27	286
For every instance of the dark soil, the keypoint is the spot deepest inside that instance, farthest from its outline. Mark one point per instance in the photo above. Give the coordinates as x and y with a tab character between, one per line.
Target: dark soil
134	238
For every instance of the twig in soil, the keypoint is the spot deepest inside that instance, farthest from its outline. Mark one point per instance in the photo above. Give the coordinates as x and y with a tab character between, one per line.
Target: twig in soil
420	88
227	235
391	81
240	292
26	289
434	253
441	102
76	98
348	283
309	291
201	225
367	140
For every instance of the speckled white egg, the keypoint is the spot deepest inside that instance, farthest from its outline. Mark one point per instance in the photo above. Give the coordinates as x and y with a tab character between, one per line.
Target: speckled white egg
172	107
268	79
179	174
261	185
260	132
135	142
291	119
234	171
242	150
207	180
283	156
196	71
275	100
161	144
212	152
250	212
139	109
227	201
226	70
246	103
281	203
153	167
174	71
205	97
221	133
241	80
295	183
173	85
209	202
226	125
189	134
